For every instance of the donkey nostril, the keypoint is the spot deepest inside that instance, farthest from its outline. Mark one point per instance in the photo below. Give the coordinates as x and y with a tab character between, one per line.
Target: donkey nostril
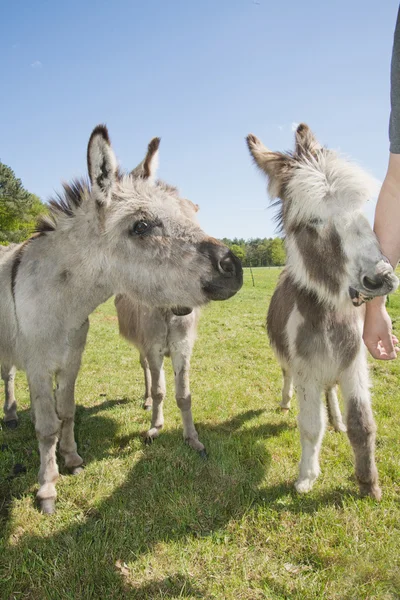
226	266
373	284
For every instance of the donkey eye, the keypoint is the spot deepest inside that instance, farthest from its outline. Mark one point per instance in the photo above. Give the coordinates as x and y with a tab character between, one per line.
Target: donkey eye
140	227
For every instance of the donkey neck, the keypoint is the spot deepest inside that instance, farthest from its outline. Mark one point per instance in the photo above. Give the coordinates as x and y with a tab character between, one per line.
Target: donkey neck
316	260
69	266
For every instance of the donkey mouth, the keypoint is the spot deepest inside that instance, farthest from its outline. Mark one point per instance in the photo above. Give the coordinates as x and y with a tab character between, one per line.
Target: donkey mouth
181	311
358	298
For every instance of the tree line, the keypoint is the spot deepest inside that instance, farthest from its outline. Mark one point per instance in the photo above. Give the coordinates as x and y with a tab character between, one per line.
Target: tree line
258	252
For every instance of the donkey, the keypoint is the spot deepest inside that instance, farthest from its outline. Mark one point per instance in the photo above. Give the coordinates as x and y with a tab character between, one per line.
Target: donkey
115	234
334	264
8	373
159	332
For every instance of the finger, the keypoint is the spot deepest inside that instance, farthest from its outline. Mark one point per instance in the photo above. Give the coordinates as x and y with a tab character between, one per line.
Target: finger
375	350
388	346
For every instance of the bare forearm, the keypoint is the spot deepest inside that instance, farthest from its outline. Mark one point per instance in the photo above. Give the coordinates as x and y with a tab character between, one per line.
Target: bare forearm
387	215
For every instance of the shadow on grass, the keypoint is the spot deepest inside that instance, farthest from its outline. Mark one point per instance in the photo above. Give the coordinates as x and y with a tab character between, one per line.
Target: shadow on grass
169	495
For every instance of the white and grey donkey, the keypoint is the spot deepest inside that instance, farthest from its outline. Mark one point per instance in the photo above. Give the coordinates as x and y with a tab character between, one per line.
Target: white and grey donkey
157	333
334	264
117	234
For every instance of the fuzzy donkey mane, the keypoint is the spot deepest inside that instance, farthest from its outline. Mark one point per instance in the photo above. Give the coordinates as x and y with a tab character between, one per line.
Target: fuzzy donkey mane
65	203
311	181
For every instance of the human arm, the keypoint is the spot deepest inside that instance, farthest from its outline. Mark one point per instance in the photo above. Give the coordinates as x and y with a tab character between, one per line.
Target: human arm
378	326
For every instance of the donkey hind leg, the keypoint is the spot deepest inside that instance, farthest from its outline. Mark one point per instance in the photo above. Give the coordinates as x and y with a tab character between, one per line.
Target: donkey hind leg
148	402
155	359
181	365
334	414
361	427
10	404
65	398
312	423
287	390
47	426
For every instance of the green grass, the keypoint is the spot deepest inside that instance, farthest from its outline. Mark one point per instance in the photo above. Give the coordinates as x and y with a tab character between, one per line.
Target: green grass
158	522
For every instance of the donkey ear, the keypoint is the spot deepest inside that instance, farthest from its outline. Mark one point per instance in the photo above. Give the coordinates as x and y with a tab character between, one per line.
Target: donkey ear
147	169
275	164
102	163
305	140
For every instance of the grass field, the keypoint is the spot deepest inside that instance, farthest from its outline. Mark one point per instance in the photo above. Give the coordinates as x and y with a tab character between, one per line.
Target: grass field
159	522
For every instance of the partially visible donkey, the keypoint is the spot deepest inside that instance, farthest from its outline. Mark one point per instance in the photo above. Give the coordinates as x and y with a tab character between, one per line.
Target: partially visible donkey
157	333
8	372
118	234
160	332
333	264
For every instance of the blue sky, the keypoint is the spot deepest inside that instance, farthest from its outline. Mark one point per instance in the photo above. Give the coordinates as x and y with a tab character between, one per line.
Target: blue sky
200	74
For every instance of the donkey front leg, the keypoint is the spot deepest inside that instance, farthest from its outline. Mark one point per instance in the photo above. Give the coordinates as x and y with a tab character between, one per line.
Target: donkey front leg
10	404
312	423
181	364
47	426
65	397
147	404
65	406
155	360
334	414
287	390
361	427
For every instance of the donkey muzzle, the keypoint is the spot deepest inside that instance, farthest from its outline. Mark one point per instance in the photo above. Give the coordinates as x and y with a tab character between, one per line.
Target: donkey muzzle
228	273
358	298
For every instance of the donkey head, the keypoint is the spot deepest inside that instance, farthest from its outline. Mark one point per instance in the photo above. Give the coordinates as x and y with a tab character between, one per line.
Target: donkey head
155	248
330	246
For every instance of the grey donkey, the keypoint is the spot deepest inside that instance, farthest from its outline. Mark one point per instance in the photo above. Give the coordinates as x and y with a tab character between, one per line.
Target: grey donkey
158	332
117	233
316	314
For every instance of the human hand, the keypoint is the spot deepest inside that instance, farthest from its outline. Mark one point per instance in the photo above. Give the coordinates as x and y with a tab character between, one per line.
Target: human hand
378	337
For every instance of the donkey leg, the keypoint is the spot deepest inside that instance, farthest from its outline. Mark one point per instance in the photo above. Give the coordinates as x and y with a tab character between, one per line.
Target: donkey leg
183	397
47	426
155	359
10	403
312	423
65	405
334	414
361	427
65	397
147	404
287	390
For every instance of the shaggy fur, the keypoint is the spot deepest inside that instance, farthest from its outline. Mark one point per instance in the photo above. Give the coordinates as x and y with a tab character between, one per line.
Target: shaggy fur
315	328
118	234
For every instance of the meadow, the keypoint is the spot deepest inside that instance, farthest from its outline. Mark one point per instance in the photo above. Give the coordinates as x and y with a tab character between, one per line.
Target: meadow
144	522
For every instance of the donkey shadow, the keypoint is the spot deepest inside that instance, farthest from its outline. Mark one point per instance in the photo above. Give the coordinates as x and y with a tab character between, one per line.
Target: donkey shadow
162	500
20	457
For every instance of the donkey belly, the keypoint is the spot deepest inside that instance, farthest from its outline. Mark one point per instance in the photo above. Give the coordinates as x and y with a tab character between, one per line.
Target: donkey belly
308	337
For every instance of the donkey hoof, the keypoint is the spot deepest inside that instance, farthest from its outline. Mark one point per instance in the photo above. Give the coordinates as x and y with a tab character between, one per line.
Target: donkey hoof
340	427
148	440
75	470
304	485
372	490
48	506
148	404
11	424
284	409
203	454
